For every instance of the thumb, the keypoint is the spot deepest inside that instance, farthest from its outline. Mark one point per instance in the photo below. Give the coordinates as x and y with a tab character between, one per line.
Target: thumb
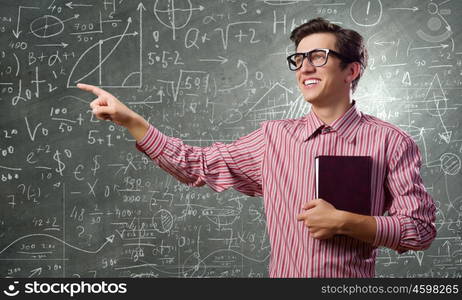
300	217
98	102
102	112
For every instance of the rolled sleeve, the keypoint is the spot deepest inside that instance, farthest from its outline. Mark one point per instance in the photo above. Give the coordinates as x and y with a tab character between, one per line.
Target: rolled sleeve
410	223
388	232
152	143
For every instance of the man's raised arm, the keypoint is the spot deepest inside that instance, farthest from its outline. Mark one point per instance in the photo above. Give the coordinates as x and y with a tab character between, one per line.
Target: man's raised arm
220	166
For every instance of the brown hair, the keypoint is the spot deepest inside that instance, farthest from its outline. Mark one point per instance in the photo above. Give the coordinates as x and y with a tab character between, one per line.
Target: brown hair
348	42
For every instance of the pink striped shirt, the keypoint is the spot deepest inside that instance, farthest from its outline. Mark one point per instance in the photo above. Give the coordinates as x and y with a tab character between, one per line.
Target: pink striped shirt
276	162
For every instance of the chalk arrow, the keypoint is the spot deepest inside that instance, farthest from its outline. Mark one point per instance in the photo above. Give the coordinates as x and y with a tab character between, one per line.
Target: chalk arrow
35	272
109	239
221	59
18	32
62	44
414	9
71	5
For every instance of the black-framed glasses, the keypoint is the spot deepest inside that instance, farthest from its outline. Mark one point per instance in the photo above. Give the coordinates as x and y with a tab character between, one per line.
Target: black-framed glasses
316	57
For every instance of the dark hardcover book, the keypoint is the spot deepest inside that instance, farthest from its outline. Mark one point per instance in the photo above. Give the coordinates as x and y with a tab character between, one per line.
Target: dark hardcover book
345	182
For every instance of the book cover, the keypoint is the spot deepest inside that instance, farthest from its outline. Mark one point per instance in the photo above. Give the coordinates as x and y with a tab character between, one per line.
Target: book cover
345	182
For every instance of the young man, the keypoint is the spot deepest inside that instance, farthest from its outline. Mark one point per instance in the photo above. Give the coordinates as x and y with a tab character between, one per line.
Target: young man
309	237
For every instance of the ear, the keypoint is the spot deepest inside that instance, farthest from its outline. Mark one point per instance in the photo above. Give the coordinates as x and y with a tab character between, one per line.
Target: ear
353	70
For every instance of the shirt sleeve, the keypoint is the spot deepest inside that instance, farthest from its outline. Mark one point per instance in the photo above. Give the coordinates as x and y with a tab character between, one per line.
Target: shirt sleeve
410	224
220	165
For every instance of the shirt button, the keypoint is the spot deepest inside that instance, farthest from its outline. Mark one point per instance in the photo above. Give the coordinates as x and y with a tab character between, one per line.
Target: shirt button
326	130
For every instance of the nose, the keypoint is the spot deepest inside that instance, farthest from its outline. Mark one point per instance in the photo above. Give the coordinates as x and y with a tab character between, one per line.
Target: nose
306	66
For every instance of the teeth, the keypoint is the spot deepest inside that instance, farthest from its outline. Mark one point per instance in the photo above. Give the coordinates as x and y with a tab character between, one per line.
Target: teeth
311	81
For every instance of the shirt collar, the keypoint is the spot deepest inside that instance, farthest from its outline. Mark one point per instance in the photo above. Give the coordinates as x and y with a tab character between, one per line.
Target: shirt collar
346	126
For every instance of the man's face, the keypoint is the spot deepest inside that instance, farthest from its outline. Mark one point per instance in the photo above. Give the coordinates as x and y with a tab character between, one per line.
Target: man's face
332	86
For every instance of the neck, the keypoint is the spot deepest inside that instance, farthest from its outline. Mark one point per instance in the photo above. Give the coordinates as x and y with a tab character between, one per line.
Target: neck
332	111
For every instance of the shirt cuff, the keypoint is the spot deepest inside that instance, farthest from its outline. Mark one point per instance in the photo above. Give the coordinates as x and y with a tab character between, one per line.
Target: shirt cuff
388	232
152	143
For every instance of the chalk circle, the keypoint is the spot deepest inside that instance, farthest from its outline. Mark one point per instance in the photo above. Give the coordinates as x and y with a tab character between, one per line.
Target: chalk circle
450	163
194	266
432	8
434	23
46	26
457	203
173	14
368	17
233	115
162	221
437	106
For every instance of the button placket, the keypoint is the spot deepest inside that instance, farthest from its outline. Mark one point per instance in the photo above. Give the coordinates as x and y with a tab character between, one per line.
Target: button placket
326	130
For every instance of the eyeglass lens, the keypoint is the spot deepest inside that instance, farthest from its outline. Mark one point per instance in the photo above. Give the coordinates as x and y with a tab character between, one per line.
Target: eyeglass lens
316	58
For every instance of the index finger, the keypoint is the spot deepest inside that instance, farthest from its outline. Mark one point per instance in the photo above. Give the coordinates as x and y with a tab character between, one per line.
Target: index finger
91	88
310	204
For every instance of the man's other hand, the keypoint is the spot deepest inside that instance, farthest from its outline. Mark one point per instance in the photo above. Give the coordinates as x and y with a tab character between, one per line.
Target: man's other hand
322	218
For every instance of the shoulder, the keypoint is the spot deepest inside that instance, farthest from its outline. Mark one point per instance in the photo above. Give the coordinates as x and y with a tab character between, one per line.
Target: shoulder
389	130
397	143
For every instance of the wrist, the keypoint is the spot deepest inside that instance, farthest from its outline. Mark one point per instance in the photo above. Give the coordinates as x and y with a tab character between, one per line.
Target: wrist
345	222
137	126
361	227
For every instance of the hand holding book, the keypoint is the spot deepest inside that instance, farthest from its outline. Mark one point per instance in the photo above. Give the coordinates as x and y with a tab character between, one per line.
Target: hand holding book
345	182
343	185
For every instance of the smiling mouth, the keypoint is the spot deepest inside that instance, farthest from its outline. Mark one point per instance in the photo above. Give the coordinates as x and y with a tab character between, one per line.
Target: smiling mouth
311	82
